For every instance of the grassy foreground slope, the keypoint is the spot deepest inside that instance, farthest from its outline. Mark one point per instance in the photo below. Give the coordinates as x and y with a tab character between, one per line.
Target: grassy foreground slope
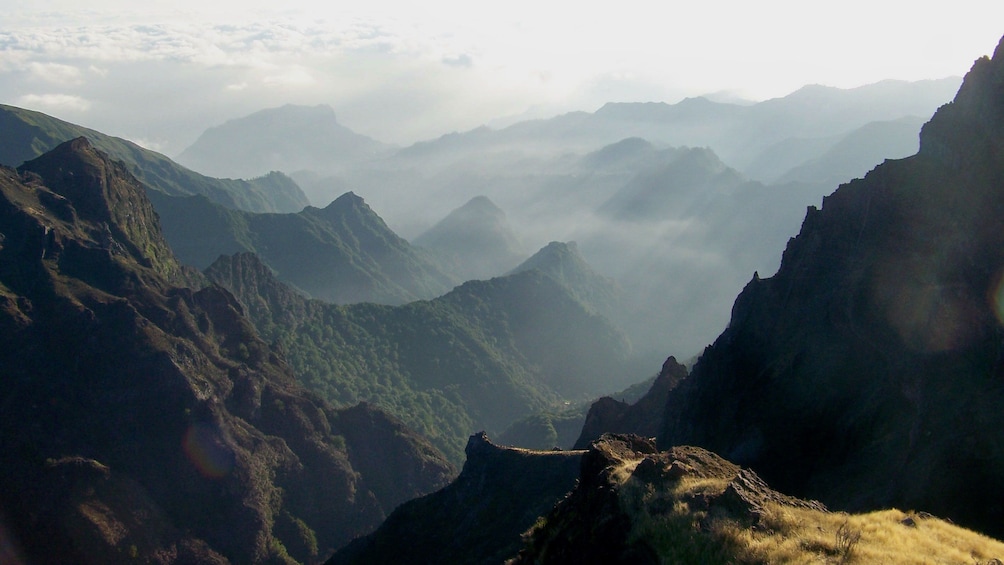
634	504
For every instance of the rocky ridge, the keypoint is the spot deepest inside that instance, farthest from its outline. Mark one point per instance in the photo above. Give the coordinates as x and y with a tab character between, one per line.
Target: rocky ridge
608	415
479	517
870	363
594	524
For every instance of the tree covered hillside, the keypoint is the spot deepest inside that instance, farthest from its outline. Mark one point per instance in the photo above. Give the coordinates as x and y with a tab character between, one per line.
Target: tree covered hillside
479	357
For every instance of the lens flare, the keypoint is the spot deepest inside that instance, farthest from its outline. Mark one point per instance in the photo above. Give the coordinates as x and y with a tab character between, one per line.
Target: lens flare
10	553
206	448
996	298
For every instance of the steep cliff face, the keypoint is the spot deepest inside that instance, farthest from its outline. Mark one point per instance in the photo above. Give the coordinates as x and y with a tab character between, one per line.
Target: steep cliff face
479	517
146	420
868	371
643	418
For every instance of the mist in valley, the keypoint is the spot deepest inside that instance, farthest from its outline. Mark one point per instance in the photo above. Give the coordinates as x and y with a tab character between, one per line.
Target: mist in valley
642	189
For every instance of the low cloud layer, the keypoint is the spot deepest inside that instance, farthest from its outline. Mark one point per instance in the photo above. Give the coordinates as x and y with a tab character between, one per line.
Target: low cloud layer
404	74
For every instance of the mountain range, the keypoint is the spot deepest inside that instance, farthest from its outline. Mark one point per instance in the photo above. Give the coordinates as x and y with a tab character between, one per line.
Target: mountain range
28	134
723	185
479	357
146	420
864	374
153	412
343	253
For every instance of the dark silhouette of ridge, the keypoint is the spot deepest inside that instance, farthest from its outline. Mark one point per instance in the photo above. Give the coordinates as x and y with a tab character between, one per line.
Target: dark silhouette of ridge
867	372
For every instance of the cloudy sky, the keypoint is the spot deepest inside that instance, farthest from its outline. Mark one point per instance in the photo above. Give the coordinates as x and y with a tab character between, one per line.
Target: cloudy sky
160	73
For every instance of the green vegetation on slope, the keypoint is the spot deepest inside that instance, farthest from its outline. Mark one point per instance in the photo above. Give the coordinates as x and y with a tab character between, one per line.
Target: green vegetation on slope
343	253
148	422
480	357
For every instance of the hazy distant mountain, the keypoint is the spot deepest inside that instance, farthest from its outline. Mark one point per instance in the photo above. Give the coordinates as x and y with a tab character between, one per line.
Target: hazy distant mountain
576	424
479	357
289	138
563	263
475	241
859	151
414	187
837	159
629	154
736	132
683	184
870	364
147	422
25	135
343	253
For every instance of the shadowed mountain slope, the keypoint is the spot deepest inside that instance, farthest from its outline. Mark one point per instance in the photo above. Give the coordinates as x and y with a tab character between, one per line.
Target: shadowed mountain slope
475	240
147	421
563	263
479	357
643	418
27	134
867	372
479	517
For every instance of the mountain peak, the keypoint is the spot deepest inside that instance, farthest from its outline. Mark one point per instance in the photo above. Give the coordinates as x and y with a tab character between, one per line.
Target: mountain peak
317	111
628	151
563	263
483	205
289	138
555	251
974	118
475	239
348	199
105	196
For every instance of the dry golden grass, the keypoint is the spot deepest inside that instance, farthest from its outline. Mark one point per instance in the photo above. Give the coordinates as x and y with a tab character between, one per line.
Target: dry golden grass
799	535
685	532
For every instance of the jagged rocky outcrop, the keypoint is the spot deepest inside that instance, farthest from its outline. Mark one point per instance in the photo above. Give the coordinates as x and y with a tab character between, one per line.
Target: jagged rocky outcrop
147	421
625	481
867	372
643	418
479	517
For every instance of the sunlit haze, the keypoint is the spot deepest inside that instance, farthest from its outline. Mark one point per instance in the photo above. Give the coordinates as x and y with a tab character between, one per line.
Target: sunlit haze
400	72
